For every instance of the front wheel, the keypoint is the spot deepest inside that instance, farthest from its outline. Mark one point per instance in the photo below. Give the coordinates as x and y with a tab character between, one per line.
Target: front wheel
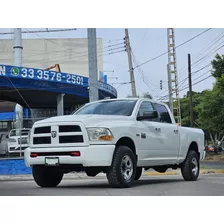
123	168
47	176
138	173
190	167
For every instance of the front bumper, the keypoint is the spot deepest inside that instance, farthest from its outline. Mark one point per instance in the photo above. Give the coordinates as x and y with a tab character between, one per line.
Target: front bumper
93	155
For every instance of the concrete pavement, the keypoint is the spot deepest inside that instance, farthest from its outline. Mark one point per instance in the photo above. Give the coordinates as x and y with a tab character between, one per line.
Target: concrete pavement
172	185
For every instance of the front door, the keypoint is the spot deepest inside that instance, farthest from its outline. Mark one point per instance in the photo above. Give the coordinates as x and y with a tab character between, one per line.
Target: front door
168	135
148	141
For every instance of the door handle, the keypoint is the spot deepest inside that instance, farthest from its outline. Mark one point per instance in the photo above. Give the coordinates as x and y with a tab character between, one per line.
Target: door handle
157	129
176	131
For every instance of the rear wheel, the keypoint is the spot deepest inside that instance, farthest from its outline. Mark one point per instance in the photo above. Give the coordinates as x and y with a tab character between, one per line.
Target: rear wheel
138	173
190	168
47	176
123	168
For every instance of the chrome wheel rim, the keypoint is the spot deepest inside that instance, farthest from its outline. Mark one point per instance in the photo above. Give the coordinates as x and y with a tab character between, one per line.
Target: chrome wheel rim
126	167
194	166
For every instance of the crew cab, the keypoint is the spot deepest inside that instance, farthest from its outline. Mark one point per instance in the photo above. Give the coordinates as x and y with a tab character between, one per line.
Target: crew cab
119	137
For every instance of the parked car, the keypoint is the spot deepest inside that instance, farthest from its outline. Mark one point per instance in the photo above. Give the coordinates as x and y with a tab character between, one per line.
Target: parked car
17	140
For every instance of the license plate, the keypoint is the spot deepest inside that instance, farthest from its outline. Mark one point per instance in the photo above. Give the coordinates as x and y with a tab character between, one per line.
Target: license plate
52	161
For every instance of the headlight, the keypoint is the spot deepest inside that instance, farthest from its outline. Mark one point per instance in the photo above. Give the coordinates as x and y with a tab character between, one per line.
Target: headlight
99	134
12	140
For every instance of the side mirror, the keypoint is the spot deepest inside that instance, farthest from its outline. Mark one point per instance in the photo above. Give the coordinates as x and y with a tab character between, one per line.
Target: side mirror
148	115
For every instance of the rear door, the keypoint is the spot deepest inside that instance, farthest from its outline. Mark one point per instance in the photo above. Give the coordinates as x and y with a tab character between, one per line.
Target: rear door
168	134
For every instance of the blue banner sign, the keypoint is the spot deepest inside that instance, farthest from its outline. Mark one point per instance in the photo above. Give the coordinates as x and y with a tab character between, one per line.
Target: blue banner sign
43	75
51	76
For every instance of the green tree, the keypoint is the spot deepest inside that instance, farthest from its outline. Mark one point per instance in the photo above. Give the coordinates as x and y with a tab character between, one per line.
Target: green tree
211	107
184	105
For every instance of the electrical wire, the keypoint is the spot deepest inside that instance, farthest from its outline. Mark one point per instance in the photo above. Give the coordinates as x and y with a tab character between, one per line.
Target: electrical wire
143	77
196	82
145	34
175	48
205	48
186	87
40	31
182	82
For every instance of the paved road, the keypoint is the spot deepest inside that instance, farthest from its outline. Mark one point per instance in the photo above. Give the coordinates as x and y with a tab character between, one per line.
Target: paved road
209	184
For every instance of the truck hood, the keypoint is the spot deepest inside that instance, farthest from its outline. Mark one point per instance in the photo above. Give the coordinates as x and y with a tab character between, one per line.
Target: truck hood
87	120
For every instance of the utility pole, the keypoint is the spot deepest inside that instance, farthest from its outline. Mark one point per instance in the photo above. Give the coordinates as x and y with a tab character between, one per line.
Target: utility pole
17	49
190	91
173	75
170	89
131	70
93	70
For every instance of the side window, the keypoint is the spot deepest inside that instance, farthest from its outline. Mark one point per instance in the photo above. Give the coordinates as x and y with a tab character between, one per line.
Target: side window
146	106
163	113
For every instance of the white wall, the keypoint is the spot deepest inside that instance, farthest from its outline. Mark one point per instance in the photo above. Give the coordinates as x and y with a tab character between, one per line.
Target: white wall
71	54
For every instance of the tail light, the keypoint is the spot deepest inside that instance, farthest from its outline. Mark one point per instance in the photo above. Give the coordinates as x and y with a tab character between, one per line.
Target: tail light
33	155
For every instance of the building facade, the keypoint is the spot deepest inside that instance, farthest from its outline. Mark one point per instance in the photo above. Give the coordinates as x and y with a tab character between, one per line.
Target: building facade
70	53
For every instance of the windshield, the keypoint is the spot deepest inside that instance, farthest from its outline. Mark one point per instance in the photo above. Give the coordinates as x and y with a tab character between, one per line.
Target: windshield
114	107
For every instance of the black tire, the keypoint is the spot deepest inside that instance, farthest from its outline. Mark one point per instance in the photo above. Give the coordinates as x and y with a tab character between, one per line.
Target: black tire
114	173
47	176
138	173
188	165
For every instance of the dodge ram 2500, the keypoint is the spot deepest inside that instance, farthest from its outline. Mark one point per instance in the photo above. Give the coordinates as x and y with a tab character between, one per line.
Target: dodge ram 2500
119	137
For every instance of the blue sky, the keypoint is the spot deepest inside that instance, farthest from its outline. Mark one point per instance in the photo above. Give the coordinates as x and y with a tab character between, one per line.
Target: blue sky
146	44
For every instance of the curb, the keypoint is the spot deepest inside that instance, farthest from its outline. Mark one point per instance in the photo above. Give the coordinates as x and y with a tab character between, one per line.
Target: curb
153	173
203	171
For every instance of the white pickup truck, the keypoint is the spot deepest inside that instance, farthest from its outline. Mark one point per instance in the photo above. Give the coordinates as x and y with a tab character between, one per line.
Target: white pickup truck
119	137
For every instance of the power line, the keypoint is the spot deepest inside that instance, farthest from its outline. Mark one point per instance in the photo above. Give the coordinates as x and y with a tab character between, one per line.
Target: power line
110	51
145	34
40	31
181	83
186	87
197	82
204	57
143	77
57	43
204	49
18	92
67	56
175	48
